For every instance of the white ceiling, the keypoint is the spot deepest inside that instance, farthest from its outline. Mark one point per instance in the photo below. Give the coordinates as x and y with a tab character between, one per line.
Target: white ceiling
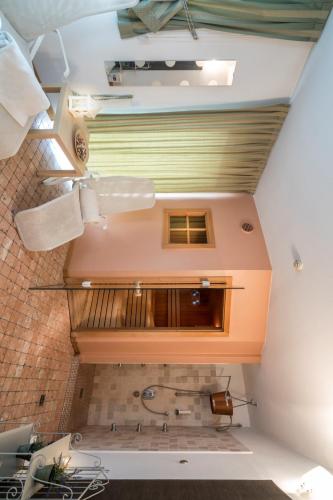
266	68
294	385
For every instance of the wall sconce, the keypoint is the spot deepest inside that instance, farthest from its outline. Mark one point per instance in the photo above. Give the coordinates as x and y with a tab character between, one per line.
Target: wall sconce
82	105
90	106
298	265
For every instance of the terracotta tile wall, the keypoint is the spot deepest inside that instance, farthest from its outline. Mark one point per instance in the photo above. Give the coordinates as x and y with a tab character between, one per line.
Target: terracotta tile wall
81	398
69	394
35	348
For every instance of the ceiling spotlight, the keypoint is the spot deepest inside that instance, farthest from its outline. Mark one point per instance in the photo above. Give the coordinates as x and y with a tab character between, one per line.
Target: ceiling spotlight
170	64
86	284
137	289
298	265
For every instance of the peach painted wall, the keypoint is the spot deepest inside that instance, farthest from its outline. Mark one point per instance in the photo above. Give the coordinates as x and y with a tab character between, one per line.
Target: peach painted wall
132	246
133	242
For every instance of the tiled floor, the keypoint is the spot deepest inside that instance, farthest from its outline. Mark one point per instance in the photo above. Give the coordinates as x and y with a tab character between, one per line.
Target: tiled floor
35	349
153	439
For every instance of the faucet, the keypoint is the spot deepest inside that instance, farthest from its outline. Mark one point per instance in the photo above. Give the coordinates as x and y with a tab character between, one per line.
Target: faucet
113	427
165	427
139	428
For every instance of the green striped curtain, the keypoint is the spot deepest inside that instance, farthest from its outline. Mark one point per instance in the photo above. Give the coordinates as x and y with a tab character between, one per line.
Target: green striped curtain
301	20
224	151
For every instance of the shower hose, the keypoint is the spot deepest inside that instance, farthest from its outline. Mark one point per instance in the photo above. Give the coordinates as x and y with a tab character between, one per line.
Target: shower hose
190	392
170	388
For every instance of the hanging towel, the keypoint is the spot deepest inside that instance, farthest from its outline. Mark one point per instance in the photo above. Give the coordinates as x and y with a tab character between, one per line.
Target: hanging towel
20	93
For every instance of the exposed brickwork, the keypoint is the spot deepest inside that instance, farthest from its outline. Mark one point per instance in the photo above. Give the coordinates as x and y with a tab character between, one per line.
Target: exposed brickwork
69	395
35	348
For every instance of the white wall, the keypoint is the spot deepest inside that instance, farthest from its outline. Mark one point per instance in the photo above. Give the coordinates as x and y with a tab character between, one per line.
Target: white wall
269	460
267	68
294	385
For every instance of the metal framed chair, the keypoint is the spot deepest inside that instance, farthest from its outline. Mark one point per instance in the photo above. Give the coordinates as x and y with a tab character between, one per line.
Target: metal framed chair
61	220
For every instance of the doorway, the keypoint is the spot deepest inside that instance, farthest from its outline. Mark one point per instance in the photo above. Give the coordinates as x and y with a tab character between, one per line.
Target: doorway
166	308
189	304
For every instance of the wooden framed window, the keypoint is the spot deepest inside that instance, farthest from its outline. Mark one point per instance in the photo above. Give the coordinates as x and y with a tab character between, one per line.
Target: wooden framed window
188	229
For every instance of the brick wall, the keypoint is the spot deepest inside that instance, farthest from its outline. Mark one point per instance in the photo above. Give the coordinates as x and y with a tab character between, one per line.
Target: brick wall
35	347
78	414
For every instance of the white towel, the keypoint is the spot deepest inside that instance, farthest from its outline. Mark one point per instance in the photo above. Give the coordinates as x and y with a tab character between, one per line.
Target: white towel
20	93
117	194
89	206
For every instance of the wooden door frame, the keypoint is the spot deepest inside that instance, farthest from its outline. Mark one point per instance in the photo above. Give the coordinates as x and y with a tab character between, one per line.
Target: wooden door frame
159	281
